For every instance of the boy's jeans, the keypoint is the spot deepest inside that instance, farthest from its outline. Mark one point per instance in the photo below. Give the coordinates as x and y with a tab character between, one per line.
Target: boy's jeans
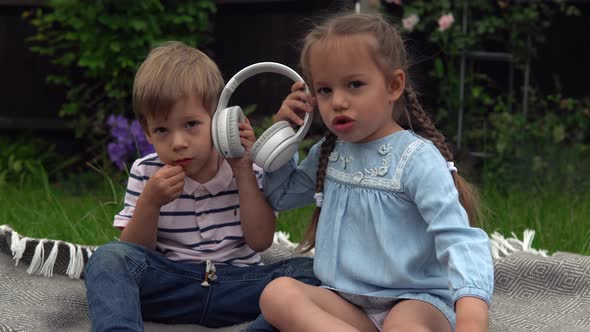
127	284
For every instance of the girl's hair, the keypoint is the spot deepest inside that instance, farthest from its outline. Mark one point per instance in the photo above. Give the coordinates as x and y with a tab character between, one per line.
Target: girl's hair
389	53
172	71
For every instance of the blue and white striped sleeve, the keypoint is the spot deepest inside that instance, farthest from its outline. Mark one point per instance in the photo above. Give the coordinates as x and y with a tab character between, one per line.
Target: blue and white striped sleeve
135	185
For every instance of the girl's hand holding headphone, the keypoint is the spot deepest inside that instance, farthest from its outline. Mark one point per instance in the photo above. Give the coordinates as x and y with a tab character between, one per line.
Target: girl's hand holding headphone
294	106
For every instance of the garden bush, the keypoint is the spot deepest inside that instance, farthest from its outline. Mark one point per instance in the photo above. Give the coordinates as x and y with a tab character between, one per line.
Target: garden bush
97	47
547	140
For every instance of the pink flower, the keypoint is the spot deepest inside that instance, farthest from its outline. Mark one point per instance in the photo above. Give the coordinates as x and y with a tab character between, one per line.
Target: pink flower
397	2
410	22
445	22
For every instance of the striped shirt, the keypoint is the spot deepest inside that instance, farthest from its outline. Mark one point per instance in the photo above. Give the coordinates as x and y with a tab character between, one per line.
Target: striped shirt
203	223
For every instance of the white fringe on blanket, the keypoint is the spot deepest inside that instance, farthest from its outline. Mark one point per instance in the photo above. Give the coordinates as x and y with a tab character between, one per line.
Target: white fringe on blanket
39	263
42	265
281	237
502	247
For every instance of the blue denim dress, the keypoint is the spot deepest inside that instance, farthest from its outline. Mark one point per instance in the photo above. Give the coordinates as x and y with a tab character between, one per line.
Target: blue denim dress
391	224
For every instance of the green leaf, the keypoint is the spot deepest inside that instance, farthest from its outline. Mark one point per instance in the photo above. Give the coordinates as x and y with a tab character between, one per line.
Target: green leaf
96	47
559	133
17	166
115	46
69	109
476	91
138	25
439	68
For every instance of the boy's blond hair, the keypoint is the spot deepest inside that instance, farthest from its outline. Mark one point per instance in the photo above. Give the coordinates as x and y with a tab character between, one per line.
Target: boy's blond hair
172	71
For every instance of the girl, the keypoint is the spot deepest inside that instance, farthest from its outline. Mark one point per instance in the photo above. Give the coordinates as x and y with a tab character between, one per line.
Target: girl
394	249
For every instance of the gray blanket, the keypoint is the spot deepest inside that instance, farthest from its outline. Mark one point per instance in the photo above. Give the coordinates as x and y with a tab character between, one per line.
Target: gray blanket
533	291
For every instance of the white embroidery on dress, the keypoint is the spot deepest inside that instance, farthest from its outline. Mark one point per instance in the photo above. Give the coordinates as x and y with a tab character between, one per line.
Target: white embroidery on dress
385	161
397	176
384	149
357	176
378	182
333	156
346	160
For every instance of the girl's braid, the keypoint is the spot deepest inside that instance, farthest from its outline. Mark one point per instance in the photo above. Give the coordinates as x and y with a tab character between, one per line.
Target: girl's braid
308	241
420	122
423	125
327	148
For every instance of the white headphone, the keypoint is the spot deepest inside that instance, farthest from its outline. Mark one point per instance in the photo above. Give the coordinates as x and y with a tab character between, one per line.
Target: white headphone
277	145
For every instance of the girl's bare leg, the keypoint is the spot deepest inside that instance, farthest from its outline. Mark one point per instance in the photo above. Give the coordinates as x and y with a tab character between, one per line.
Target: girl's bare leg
415	315
291	305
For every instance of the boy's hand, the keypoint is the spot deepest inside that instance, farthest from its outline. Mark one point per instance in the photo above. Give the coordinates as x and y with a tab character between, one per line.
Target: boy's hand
165	185
247	139
294	106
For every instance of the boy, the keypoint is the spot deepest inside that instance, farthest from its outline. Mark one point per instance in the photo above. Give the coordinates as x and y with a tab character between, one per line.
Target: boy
188	252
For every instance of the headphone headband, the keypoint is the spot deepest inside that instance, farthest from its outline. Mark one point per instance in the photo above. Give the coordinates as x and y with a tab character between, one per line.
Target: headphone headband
258	68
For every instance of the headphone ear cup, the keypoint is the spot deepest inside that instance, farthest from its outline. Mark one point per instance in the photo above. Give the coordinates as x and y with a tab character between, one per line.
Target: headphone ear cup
261	150
215	130
225	132
235	116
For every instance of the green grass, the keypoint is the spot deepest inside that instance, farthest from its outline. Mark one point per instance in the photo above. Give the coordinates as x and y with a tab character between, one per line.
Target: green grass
294	222
77	212
560	218
81	210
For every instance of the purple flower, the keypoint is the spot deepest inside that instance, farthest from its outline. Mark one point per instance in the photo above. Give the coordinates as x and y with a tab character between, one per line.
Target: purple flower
136	129
143	147
117	154
129	141
119	128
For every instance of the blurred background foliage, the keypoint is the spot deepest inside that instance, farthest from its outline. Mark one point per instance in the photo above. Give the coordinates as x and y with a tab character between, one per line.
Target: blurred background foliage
514	144
97	47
